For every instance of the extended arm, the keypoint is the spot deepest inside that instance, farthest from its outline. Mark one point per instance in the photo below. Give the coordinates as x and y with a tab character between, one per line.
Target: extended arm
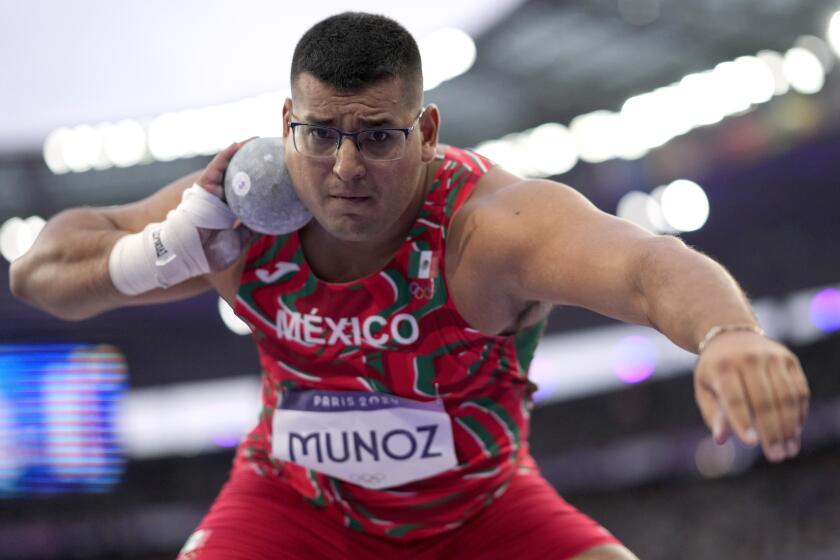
66	272
550	244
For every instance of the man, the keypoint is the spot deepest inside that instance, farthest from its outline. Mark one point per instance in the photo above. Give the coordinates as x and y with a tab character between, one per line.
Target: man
395	329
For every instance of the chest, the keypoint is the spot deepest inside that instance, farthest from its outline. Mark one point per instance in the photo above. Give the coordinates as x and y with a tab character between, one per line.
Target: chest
395	331
389	308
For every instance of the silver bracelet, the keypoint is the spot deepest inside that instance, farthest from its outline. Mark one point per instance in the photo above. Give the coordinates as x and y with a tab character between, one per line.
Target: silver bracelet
720	329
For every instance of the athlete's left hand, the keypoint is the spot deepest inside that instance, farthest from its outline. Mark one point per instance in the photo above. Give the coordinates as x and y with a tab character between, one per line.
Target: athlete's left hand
753	386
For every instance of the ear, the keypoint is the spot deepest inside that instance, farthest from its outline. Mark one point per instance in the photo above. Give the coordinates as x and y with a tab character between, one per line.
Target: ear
429	126
287	117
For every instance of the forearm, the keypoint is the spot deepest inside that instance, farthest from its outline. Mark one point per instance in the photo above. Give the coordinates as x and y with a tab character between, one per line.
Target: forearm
685	293
66	271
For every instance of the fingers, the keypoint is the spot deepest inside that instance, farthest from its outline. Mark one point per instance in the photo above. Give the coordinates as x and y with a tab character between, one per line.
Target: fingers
712	413
734	403
708	404
767	415
213	176
799	384
722	430
788	404
763	397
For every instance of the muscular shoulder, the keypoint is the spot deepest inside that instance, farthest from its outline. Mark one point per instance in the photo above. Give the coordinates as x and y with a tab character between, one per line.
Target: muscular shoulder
485	250
507	213
507	195
527	243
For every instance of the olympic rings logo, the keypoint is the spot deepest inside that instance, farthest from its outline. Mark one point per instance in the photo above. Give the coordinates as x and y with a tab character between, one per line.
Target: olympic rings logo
419	292
367	478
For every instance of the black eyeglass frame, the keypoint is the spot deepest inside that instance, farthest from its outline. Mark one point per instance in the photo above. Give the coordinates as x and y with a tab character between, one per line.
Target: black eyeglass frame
353	135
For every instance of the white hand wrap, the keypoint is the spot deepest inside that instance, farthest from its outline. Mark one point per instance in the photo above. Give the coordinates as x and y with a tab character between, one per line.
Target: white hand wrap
166	253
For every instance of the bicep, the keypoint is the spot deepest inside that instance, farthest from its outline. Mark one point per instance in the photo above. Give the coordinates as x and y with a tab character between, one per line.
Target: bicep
561	249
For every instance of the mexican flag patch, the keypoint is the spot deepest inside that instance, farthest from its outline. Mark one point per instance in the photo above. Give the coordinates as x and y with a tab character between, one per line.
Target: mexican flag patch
422	264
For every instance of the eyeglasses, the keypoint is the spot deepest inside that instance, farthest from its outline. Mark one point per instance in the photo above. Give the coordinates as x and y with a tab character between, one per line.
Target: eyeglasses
375	144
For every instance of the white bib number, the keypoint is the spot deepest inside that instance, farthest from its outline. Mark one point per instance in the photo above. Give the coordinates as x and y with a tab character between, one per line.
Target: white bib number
375	440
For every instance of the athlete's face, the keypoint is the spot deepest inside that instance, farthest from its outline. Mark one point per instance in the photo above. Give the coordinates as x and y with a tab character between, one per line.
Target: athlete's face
351	197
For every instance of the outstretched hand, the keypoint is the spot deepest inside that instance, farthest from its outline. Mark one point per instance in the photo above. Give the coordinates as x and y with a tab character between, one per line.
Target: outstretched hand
754	387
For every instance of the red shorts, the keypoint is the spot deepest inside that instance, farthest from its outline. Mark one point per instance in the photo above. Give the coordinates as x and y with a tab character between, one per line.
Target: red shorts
256	517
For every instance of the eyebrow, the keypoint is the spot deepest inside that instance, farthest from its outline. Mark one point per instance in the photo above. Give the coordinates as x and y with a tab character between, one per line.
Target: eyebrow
378	122
315	120
366	123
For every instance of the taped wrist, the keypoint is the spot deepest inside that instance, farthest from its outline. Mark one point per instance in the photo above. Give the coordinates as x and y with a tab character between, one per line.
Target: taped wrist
169	252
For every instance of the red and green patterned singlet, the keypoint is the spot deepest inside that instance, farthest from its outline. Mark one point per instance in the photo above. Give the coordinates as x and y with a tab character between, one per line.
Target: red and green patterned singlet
398	332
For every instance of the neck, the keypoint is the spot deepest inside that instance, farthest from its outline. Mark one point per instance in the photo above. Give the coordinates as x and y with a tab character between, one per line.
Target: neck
338	260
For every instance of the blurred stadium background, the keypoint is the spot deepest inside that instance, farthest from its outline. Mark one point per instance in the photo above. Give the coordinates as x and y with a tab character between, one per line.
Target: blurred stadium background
716	120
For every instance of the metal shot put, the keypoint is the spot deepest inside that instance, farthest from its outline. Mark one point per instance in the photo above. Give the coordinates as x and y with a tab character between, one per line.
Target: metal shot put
260	191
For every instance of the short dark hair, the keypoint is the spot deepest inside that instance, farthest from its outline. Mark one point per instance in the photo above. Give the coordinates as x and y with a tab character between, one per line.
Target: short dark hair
353	50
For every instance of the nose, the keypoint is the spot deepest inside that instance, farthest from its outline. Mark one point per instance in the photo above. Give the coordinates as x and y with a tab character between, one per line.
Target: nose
349	163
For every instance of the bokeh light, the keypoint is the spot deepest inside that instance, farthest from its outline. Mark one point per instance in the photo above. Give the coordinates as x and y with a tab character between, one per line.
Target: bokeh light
684	205
163	137
227	442
17	235
775	63
824	310
661	225
124	143
53	155
803	70
551	148
634	359
642	209
81	149
713	460
231	321
545	375
595	136
446	53
820	48
834	32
